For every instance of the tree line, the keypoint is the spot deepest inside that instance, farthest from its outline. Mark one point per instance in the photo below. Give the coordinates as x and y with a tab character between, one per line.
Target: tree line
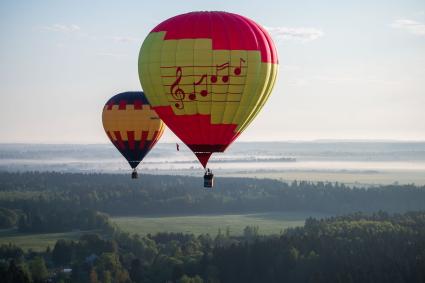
33	193
377	247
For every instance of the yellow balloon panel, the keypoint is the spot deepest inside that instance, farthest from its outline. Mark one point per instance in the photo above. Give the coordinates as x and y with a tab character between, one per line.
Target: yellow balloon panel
228	85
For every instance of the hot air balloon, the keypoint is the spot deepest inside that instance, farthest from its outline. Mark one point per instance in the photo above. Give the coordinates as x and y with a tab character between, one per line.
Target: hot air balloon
207	75
132	126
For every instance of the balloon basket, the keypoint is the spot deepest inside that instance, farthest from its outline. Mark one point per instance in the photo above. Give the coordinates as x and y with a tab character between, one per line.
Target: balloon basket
208	179
134	174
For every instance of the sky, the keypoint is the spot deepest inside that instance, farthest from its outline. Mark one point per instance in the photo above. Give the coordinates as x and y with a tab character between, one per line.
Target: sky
348	69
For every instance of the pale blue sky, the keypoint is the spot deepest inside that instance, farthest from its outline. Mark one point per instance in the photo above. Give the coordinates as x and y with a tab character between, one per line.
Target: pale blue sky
348	69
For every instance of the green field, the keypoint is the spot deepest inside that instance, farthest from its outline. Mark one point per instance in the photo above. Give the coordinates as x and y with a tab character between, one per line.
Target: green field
36	242
268	223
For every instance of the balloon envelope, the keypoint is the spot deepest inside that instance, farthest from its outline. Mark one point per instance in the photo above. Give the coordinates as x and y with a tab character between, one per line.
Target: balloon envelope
207	75
131	125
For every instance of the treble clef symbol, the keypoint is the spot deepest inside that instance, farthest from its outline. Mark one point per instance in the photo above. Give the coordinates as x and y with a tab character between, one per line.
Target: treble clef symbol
177	93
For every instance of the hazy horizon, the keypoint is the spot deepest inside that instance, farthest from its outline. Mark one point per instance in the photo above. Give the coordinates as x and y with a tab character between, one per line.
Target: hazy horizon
324	140
358	163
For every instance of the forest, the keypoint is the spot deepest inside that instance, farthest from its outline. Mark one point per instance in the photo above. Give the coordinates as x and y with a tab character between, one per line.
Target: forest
379	247
49	202
376	235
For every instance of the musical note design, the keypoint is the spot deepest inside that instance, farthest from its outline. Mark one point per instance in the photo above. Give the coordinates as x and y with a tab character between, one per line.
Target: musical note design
203	92
204	81
238	70
178	93
219	68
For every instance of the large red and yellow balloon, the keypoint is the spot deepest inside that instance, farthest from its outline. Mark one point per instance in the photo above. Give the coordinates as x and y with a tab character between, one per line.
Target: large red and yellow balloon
207	75
131	125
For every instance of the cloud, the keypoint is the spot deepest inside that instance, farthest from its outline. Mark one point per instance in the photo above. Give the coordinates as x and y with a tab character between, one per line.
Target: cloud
297	34
110	54
338	79
410	26
62	28
126	39
298	82
291	67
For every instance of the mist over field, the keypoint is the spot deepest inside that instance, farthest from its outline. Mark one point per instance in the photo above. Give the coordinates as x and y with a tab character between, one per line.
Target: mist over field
359	163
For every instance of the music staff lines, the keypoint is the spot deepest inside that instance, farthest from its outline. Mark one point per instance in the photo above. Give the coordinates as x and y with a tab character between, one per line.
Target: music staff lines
208	101
196	66
194	76
179	91
229	93
191	84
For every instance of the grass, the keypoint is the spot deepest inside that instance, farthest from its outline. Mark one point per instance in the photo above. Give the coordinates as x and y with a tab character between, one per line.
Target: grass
35	242
268	223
